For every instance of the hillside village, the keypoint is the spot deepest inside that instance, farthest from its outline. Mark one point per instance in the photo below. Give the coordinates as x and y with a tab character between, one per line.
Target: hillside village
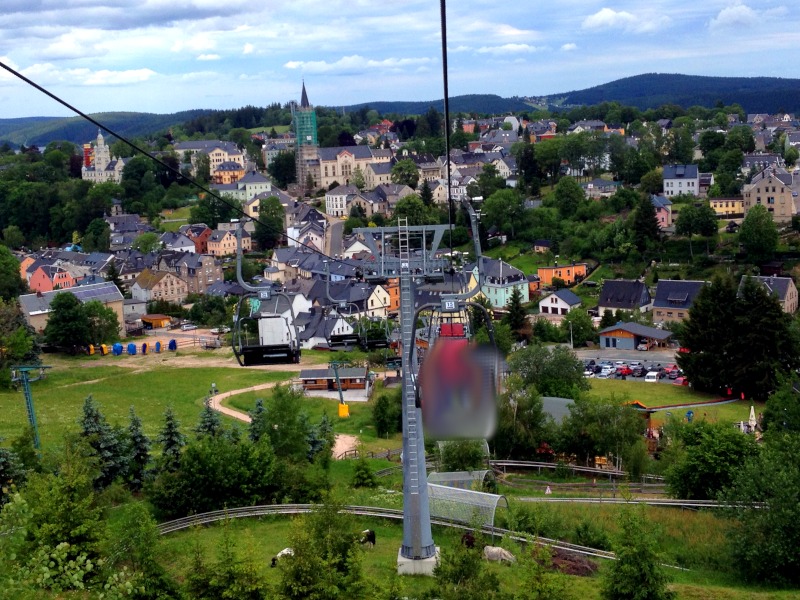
620	247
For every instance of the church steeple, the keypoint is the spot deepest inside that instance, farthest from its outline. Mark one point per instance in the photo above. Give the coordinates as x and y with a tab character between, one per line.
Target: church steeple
304	103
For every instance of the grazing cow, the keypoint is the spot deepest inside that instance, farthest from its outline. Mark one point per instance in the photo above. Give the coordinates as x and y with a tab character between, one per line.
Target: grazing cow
468	540
497	554
368	537
280	555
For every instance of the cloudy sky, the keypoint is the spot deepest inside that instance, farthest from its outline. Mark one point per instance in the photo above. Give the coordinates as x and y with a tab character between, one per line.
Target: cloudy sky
169	55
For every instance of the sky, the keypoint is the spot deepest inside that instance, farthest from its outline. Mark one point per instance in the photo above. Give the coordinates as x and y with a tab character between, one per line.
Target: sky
164	56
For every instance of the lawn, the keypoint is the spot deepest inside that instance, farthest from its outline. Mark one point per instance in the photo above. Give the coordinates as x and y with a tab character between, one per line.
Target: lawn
175	218
261	539
58	399
661	394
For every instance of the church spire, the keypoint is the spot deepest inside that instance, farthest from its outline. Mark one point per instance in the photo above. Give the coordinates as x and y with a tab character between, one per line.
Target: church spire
304	98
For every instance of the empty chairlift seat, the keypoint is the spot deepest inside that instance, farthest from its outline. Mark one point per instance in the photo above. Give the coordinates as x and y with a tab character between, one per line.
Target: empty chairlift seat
131	349
116	349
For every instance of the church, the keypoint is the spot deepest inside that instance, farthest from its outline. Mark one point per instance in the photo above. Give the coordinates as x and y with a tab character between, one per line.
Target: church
98	164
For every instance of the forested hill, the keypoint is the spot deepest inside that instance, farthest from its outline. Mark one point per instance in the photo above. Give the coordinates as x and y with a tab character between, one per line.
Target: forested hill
754	94
471	103
33	131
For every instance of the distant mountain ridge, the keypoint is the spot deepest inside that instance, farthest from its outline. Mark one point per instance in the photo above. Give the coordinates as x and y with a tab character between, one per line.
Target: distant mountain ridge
754	94
650	90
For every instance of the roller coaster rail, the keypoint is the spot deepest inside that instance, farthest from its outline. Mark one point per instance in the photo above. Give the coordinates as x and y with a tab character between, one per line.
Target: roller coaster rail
369	511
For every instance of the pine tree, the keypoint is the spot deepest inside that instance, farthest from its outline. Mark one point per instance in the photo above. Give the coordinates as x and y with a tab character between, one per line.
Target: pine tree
106	442
258	421
112	275
210	422
516	317
362	473
138	452
645	224
425	193
172	441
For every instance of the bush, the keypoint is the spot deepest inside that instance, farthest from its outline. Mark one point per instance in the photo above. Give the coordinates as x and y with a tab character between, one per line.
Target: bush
387	414
587	533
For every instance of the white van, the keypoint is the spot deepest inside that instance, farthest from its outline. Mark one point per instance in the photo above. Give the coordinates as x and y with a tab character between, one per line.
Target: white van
651	377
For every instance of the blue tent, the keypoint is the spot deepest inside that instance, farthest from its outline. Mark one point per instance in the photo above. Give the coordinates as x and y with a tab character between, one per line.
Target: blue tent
116	349
173	345
158	347
131	348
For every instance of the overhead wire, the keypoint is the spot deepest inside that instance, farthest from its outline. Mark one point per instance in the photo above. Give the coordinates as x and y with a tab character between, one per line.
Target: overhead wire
450	203
157	160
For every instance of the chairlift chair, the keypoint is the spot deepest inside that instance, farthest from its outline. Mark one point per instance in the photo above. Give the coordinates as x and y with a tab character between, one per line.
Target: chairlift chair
341	341
263	338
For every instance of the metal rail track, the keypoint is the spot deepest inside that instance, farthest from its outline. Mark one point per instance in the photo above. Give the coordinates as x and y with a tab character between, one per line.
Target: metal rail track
648	502
369	511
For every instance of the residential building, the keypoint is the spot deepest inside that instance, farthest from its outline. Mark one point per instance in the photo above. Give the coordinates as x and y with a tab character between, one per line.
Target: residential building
560	302
570	274
499	281
223	243
159	285
199	234
624	294
175	240
228	172
336	200
36	307
772	189
663	210
336	165
728	208
377	173
199	271
783	288
217	151
674	298
47	278
542	246
251	184
681	179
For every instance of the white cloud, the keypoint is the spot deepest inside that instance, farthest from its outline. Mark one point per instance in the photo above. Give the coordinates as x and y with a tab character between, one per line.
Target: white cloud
196	43
569	47
209	57
105	77
734	16
507	49
48	74
248	49
5	75
355	63
607	18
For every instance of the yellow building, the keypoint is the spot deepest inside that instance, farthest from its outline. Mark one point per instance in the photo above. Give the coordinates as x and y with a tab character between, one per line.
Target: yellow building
728	208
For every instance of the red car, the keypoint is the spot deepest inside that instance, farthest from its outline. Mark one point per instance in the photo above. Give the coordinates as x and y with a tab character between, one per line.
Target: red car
681	381
624	371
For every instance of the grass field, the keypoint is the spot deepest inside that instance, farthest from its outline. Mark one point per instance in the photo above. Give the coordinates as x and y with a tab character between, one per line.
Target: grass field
260	539
58	399
660	394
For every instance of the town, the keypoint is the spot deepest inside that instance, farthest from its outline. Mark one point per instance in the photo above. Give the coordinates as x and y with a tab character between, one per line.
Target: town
633	269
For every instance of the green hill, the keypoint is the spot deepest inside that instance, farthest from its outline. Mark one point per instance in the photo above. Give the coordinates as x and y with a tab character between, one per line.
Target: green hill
471	103
754	94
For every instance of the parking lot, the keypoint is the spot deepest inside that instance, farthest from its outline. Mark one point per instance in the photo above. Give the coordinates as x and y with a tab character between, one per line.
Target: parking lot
617	360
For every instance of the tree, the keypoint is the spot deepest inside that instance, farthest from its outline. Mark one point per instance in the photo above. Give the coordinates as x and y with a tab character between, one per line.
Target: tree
652	182
568	195
405	172
11	473
13	237
283	170
637	574
686	224
97	237
363	477
106	442
326	562
521	422
782	413
765	513
791	156
758	234
172	442
210	422
425	194
11	284
577	326
358	178
516	317
287	428
258	423
706	223
645	224
387	414
103	322
462	575
412	208
112	275
16	340
67	325
270	225
505	209
554	371
138	453
146	243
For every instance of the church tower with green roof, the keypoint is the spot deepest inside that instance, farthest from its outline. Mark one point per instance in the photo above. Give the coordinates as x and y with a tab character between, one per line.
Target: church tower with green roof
305	128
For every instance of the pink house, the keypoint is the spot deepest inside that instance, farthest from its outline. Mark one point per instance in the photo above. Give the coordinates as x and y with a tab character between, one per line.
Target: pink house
50	277
663	210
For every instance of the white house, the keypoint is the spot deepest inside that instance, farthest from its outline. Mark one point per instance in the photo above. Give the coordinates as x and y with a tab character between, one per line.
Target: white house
681	179
560	302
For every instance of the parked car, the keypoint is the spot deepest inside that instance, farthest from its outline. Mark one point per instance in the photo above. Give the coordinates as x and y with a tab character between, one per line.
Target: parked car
639	371
674	373
603	375
681	381
188	326
220	330
651	377
588	373
624	371
643	347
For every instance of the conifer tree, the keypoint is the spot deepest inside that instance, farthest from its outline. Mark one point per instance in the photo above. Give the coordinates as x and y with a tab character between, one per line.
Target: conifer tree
210	422
425	193
258	421
645	224
106	442
138	452
516	316
172	441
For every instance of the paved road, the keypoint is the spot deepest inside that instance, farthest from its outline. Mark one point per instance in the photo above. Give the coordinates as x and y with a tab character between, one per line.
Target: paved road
335	237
